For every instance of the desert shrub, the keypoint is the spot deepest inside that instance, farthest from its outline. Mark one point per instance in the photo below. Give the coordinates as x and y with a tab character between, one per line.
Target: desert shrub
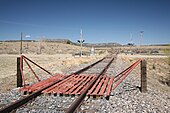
167	51
168	60
130	60
12	52
42	47
86	62
165	81
101	52
153	66
68	42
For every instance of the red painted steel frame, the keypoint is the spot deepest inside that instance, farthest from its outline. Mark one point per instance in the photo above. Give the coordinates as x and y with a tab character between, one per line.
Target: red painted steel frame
104	86
21	69
110	86
38	65
70	91
32	70
25	59
41	84
125	73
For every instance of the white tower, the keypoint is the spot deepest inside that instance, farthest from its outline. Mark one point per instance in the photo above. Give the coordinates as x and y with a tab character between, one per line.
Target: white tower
141	34
81	41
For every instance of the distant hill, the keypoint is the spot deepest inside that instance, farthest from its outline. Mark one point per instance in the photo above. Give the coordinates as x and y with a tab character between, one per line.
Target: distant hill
64	41
18	40
102	44
65	46
159	45
67	41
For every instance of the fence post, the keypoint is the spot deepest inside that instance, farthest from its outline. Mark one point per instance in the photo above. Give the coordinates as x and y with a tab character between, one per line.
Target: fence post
143	76
19	76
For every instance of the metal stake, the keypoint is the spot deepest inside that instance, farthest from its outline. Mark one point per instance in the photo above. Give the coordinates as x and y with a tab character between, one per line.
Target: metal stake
21	44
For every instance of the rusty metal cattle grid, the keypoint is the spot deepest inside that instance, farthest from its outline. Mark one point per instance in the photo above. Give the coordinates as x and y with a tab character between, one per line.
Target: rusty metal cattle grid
73	85
76	83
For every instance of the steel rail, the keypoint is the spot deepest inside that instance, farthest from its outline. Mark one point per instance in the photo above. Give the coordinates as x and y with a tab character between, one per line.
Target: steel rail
32	70
26	99
37	65
125	74
79	100
125	71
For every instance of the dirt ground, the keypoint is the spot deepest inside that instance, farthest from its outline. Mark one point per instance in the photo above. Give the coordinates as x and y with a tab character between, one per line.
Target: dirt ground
56	64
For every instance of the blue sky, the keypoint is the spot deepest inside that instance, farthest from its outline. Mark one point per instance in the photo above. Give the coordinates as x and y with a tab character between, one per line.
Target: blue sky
101	20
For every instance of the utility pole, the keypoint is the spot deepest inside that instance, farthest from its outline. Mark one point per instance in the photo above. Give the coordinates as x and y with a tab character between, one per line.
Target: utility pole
40	40
27	36
141	34
131	43
19	75
131	38
81	38
21	44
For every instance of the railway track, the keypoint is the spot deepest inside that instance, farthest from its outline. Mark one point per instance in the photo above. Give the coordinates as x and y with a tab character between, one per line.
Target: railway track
26	99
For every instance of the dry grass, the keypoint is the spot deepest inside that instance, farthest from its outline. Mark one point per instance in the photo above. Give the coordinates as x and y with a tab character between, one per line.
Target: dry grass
158	70
49	48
